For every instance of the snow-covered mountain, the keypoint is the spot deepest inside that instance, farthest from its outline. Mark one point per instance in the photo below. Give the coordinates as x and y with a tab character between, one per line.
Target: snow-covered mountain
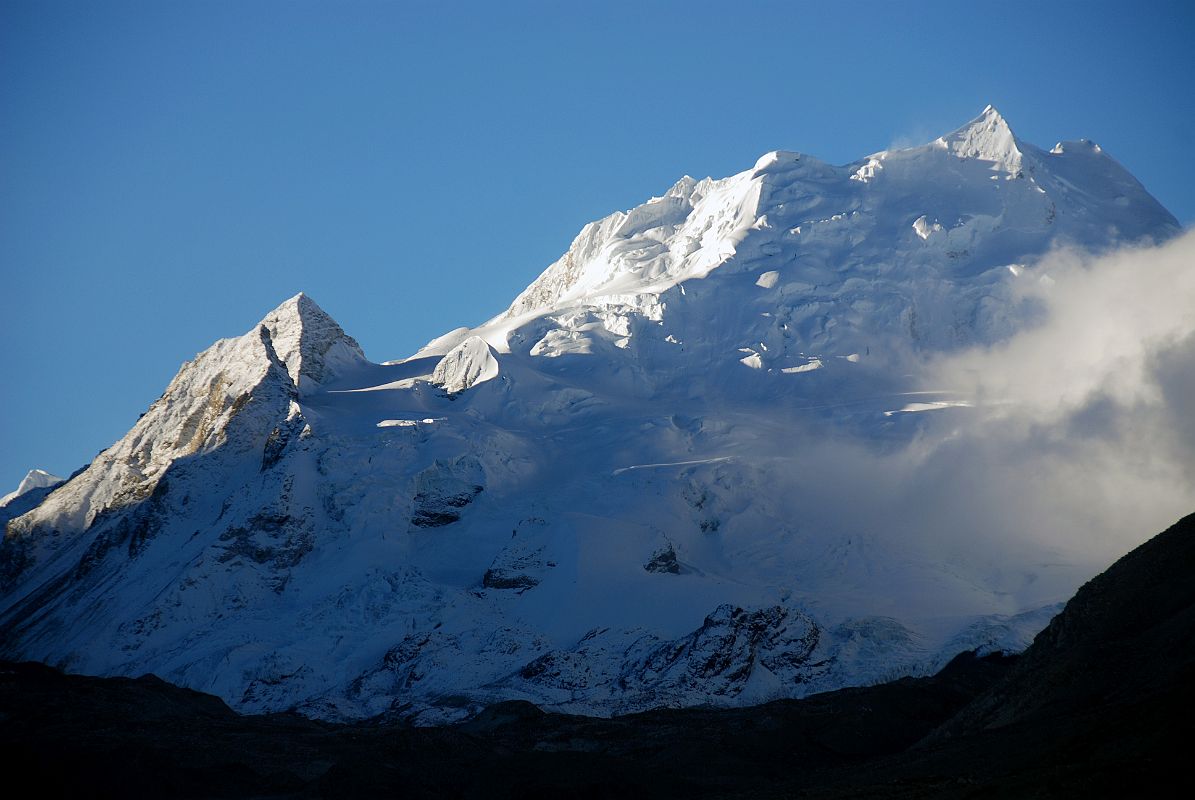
605	498
34	479
33	488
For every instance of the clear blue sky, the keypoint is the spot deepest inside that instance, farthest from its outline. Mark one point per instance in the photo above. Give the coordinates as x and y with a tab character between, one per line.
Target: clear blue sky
170	171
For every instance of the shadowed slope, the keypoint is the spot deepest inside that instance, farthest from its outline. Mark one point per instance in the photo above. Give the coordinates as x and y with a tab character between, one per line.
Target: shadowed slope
1098	706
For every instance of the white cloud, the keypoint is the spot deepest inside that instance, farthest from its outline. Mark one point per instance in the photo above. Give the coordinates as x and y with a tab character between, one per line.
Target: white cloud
1080	445
1084	432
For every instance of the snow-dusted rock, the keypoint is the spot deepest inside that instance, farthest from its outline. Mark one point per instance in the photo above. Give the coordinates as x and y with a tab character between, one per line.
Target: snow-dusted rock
469	363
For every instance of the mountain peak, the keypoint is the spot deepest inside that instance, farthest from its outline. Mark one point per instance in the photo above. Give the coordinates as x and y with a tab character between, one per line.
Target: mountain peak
35	479
990	119
986	138
309	343
298	310
669	391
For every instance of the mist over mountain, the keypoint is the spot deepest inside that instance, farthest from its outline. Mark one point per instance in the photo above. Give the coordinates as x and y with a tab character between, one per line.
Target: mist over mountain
805	427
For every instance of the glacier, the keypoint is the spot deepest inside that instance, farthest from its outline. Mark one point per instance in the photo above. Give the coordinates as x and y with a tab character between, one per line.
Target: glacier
606	498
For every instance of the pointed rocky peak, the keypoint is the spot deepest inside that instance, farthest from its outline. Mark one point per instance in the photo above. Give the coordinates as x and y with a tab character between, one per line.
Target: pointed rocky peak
986	138
308	342
35	479
300	311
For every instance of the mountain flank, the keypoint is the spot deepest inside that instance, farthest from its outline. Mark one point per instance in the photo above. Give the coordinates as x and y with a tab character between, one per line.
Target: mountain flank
1098	706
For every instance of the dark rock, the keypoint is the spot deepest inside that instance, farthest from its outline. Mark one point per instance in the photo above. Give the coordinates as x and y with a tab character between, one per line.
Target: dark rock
494	579
663	561
443	490
434	510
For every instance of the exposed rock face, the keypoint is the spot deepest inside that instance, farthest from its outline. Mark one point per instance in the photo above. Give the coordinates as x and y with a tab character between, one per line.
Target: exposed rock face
444	489
310	344
737	656
234	404
717	660
522	563
663	561
221	400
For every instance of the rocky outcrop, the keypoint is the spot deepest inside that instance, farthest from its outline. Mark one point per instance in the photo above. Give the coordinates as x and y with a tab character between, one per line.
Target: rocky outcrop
443	490
469	363
738	655
521	564
663	561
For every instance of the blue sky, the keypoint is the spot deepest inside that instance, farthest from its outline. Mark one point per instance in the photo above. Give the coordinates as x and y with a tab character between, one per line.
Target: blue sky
169	172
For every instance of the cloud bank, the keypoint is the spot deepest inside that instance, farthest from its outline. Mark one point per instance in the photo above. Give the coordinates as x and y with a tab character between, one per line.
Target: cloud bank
1084	431
1089	414
1079	446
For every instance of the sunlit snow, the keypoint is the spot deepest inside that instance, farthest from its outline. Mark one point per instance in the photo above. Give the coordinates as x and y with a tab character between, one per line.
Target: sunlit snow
694	433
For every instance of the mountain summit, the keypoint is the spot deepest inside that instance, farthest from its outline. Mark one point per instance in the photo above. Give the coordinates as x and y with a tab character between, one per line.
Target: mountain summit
987	138
609	497
308	342
944	220
34	479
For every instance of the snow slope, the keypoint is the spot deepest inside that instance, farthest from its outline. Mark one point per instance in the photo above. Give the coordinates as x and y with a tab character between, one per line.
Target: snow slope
600	500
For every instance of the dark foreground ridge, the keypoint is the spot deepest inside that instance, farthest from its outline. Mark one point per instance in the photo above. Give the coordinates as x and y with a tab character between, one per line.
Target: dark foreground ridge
1100	705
